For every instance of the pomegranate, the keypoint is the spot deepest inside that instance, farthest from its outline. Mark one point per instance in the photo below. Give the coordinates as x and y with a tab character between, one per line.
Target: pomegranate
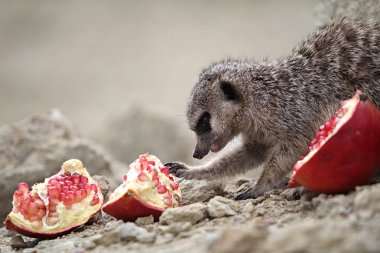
345	150
148	189
59	204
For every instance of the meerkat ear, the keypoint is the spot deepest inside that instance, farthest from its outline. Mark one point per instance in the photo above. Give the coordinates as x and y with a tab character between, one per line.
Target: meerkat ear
229	90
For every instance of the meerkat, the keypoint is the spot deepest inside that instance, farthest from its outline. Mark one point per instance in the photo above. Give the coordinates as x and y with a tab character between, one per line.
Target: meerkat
278	106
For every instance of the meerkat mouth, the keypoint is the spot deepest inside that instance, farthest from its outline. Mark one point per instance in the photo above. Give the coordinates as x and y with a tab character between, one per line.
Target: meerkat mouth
215	146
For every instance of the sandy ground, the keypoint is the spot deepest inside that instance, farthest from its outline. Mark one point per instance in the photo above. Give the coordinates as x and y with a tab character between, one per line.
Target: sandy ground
93	59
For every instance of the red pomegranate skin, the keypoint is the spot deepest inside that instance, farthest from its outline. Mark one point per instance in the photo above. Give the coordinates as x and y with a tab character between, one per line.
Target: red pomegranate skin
129	207
349	158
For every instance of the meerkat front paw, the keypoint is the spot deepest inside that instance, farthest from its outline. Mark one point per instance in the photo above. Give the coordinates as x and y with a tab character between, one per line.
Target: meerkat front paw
179	169
293	193
251	193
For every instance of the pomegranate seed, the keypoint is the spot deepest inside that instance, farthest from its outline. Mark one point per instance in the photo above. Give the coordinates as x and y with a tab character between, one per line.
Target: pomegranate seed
161	189
33	218
142	177
152	163
33	208
24	213
88	187
150	169
24	205
23	187
39	203
53	181
171	178
125	177
94	188
41	213
53	191
95	200
143	163
62	196
70	194
69	182
53	214
18	195
165	170
54	201
36	224
16	209
74	188
76	178
83	180
50	221
65	188
174	185
78	196
168	202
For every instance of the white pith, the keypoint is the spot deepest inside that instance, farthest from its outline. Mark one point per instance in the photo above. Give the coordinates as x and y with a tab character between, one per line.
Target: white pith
78	214
146	190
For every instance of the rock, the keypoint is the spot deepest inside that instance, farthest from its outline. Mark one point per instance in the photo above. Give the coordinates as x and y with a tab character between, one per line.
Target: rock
128	232
143	221
176	228
35	148
57	245
192	213
367	202
199	191
238	239
103	182
137	131
220	207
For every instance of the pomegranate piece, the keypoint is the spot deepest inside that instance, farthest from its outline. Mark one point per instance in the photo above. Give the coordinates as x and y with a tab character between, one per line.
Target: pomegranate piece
147	189
345	150
59	204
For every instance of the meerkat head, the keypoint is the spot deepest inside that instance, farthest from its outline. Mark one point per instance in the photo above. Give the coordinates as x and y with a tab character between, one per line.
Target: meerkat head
215	109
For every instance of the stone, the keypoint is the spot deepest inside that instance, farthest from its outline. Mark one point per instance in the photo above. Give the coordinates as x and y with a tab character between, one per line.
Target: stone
199	190
137	130
192	213
130	232
143	221
367	202
240	239
36	147
176	228
220	207
103	182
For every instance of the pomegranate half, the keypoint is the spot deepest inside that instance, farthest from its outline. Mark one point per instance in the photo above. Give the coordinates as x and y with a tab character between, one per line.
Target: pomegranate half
59	204
148	189
345	152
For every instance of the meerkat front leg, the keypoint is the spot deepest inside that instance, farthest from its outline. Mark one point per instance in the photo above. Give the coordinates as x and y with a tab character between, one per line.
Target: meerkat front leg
274	175
241	160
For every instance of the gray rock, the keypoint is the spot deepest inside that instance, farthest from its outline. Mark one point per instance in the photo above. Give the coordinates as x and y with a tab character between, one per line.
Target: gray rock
143	221
240	239
103	182
137	131
367	202
192	213
199	191
35	148
220	207
176	228
128	232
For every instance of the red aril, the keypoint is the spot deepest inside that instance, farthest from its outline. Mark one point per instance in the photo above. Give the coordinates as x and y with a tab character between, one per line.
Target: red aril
345	152
148	189
59	204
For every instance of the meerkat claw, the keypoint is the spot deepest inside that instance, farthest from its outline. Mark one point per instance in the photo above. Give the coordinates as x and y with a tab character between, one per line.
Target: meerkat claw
177	169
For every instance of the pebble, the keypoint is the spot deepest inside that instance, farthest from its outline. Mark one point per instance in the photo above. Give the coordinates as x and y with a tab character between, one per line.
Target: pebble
192	213
221	207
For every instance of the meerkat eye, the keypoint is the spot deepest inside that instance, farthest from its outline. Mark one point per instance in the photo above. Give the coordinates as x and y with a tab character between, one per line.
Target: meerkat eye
203	125
229	91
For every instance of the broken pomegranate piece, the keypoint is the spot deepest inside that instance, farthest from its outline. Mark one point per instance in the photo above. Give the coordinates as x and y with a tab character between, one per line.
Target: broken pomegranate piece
345	151
148	189
59	204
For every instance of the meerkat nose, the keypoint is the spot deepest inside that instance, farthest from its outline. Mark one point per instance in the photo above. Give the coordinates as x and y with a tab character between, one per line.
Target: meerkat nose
196	154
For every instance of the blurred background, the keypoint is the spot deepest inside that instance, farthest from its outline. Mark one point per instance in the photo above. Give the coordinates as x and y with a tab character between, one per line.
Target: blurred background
122	70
